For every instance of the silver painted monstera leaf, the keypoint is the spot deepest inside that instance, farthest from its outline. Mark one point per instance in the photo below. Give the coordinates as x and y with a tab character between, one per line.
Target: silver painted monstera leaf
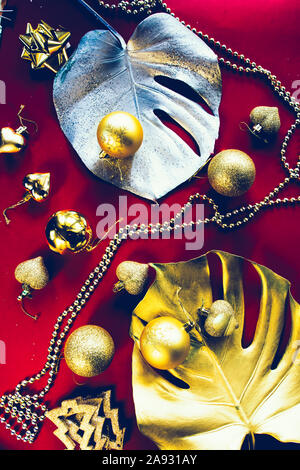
104	75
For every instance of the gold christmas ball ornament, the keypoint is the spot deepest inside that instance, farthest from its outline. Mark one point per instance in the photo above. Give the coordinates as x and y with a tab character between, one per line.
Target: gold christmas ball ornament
220	319
119	134
89	350
231	172
132	277
165	343
265	121
68	231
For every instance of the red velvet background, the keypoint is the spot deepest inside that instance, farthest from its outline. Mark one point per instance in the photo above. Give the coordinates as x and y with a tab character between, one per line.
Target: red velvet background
267	32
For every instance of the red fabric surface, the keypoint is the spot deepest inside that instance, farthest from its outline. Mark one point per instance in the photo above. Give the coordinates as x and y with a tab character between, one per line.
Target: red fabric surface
267	32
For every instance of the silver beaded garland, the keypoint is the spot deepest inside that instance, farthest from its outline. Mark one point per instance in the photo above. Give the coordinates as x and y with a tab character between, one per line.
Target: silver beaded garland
24	425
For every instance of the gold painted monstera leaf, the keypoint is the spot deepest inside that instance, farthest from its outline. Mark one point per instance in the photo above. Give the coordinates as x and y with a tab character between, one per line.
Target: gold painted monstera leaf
224	391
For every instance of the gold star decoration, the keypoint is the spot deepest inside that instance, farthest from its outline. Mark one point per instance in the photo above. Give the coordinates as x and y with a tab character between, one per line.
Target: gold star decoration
88	424
45	46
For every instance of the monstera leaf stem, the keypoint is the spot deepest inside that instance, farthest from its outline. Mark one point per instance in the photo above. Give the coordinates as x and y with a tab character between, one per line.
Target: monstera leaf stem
105	23
235	400
133	85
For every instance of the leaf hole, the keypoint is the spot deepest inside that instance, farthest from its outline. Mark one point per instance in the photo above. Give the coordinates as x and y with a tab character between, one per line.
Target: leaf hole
285	334
252	293
216	277
178	129
183	89
173	380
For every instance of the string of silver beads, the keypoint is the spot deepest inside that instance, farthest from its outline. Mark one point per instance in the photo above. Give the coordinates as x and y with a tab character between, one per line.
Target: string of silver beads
16	409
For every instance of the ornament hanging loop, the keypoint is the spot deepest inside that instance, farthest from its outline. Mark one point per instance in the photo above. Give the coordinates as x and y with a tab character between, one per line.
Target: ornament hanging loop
26	292
92	245
25	199
23	127
256	131
119	286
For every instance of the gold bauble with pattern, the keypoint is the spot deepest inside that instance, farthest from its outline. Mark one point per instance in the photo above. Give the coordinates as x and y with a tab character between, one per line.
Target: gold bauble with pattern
119	134
68	231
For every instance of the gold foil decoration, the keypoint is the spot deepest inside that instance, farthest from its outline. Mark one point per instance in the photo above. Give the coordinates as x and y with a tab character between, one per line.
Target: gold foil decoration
45	46
222	392
88	423
37	187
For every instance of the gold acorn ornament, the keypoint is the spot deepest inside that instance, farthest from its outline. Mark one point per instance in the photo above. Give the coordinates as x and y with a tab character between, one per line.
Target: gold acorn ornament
265	122
231	172
37	186
220	319
165	342
33	275
132	277
89	350
120	135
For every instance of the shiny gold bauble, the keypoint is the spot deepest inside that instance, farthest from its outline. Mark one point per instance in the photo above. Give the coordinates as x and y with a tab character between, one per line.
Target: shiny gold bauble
231	172
221	320
89	350
165	343
120	134
68	230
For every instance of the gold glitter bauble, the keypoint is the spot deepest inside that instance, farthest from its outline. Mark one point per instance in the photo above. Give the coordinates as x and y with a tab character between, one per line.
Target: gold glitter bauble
89	350
68	230
231	172
120	134
266	120
165	343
